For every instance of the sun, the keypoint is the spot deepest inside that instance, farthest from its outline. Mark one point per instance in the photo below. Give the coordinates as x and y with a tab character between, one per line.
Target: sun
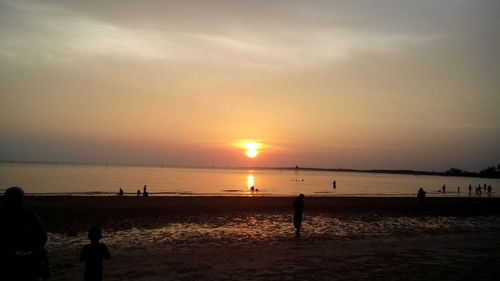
252	149
251	153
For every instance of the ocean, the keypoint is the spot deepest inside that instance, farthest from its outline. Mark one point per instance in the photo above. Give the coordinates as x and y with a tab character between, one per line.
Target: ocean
82	179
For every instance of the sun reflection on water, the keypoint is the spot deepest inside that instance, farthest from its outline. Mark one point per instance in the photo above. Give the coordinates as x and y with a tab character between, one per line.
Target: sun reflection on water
250	181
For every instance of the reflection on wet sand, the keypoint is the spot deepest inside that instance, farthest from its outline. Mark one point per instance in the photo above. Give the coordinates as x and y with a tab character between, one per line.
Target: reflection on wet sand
278	227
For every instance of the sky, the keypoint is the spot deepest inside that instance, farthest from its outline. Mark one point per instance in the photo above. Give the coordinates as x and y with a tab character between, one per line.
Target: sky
332	84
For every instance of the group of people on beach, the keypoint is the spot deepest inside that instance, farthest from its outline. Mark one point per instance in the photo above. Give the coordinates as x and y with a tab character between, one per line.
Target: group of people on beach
478	189
421	193
145	192
23	256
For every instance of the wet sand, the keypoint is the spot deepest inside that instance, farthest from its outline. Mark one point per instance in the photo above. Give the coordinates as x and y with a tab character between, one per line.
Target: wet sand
441	257
251	238
60	213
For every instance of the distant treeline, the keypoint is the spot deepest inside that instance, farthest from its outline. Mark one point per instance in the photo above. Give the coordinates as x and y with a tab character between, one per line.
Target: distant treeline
490	172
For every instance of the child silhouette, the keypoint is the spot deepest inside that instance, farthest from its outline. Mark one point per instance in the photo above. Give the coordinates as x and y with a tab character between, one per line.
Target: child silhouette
93	254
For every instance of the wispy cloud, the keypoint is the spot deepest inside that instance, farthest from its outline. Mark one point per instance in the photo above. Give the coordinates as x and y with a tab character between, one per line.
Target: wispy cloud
34	32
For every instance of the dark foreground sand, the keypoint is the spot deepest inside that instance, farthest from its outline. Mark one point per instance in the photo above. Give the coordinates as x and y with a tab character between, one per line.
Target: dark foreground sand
444	252
442	257
60	213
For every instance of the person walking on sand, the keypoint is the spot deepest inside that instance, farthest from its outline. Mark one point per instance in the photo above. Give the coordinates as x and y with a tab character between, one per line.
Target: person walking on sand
145	191
298	206
444	188
421	197
470	189
334	184
93	255
22	240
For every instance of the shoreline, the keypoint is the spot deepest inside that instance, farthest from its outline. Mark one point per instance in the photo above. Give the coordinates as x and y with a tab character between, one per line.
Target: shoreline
242	193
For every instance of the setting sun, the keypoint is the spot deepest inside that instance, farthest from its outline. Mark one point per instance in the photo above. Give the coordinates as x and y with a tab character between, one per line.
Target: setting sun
252	149
251	153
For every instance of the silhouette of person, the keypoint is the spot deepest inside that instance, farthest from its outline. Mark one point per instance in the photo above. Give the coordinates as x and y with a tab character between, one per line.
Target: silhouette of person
444	188
138	192
470	189
458	189
22	240
120	193
334	184
421	197
93	255
145	191
489	188
298	206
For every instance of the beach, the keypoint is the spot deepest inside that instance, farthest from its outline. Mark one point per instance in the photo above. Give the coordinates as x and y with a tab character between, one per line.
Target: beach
250	140
252	238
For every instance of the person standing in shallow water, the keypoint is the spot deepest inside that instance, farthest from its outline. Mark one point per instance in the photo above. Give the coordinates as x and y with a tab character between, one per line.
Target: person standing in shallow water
298	206
93	255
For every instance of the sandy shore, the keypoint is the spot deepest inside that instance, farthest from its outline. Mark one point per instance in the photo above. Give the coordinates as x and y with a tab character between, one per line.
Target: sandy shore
251	238
441	257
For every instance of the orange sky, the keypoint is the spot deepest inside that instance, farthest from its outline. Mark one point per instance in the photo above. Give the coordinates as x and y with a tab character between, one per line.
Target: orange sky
325	84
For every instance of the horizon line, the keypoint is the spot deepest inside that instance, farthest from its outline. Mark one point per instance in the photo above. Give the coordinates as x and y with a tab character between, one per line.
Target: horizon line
297	167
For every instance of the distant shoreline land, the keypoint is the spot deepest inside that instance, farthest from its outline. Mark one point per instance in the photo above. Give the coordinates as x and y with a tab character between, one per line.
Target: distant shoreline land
491	172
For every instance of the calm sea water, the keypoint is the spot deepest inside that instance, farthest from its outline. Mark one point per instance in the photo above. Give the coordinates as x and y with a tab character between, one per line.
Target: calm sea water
106	180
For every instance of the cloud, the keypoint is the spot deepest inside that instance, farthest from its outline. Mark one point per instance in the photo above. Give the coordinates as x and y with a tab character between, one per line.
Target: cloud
33	32
338	75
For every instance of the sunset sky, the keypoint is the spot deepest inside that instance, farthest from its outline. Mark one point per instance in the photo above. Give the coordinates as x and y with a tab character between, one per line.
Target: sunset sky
334	84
